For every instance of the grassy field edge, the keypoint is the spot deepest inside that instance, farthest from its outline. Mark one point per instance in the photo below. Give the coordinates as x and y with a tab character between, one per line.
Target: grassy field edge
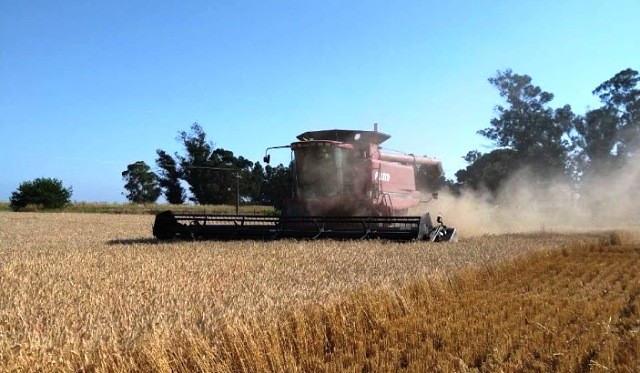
149	208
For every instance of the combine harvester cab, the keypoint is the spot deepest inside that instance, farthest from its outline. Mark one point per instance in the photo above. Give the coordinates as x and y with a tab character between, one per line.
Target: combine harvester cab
344	187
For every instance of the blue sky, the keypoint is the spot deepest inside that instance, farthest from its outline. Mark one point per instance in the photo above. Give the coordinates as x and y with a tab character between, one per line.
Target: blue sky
87	87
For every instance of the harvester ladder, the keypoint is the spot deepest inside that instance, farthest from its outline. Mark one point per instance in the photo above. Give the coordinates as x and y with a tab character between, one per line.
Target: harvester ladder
380	196
386	201
377	186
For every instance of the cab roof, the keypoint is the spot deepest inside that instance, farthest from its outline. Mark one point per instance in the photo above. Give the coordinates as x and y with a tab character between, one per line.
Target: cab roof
346	136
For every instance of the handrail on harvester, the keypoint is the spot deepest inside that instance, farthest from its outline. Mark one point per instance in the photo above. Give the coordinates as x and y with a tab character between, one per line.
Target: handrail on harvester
411	159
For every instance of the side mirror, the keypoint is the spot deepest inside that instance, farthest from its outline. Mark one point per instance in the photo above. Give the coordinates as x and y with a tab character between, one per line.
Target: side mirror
267	158
439	219
434	195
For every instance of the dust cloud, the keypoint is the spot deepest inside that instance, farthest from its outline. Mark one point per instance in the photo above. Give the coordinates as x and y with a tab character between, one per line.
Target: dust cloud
608	200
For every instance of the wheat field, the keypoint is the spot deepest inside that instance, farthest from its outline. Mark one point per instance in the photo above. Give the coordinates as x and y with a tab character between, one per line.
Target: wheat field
94	292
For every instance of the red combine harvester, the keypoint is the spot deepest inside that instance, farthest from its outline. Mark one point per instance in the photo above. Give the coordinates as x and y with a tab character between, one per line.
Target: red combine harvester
344	187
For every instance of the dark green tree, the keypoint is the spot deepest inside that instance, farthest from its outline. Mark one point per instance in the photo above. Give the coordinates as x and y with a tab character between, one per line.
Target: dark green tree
196	166
621	95
142	184
429	178
489	170
215	174
169	178
234	175
621	92
247	178
596	134
46	192
255	177
226	169
607	136
527	125
276	186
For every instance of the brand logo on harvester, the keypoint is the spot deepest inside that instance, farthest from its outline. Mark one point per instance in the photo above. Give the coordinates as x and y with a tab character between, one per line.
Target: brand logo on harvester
383	176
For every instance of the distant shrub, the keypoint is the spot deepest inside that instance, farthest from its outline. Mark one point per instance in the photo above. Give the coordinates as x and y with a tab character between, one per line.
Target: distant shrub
275	213
41	193
32	208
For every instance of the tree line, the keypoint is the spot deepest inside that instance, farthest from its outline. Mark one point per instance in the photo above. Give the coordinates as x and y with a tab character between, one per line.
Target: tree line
526	132
212	175
554	142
